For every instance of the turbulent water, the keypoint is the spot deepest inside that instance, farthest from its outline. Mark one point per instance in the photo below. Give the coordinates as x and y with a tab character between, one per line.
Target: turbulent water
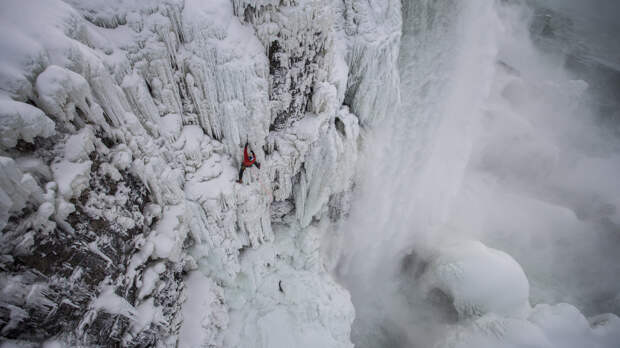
507	134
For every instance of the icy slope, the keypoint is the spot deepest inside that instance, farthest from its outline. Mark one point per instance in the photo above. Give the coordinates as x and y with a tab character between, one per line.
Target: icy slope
122	130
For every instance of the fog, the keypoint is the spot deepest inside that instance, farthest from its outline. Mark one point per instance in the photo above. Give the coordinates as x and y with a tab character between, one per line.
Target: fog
507	134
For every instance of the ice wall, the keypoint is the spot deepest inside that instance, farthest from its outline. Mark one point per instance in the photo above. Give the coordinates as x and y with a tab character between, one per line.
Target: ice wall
122	129
372	30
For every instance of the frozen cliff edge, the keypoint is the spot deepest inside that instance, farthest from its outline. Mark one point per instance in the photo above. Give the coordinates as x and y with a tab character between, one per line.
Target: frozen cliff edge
122	127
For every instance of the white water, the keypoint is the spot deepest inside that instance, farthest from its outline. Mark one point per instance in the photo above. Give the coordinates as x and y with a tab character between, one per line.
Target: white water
494	141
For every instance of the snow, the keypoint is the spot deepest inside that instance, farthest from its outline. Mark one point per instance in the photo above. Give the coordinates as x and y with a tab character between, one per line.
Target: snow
79	146
72	178
330	165
121	157
92	246
110	171
16	188
560	325
63	94
110	302
170	126
20	121
309	310
146	314
169	234
27	29
149	279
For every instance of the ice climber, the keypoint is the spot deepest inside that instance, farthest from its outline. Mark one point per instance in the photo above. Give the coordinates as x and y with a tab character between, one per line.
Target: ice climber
249	159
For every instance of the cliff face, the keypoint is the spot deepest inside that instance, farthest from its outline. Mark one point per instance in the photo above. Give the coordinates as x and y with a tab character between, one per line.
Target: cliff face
122	130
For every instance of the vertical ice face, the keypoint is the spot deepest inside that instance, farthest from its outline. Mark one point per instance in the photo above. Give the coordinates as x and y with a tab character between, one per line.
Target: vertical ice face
373	31
122	130
298	39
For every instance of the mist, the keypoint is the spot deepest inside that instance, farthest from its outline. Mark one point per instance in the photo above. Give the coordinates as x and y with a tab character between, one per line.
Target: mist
503	158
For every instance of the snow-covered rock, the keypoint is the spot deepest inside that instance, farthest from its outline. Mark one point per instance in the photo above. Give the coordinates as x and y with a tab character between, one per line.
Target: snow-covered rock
65	95
149	105
22	121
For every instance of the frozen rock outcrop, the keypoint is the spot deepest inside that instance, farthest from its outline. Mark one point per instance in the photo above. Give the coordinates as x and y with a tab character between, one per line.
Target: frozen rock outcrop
298	39
122	131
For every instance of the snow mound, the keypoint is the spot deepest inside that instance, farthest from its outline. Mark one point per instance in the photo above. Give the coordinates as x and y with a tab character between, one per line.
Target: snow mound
479	280
22	121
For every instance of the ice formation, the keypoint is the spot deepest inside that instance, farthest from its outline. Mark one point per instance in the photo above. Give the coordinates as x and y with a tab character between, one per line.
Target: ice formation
500	313
479	280
122	129
21	121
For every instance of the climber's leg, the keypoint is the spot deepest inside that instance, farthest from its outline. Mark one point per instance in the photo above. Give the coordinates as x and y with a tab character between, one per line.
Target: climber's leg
241	170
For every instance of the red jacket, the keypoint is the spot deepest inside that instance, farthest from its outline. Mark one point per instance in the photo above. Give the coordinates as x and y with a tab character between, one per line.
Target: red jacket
248	159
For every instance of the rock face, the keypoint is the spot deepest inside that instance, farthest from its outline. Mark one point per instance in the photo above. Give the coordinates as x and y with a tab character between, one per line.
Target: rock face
122	127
